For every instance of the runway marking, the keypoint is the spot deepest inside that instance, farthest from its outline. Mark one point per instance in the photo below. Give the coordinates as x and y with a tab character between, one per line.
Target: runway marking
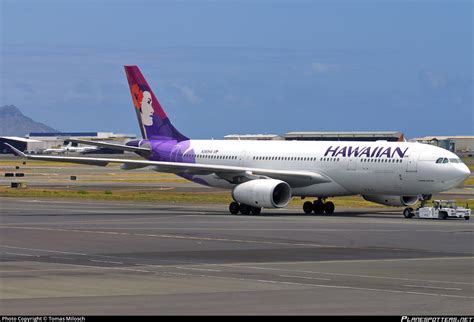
353	275
42	270
255	220
151	265
59	257
327	286
171	237
21	254
258	280
434	287
264	268
306	277
123	221
108	262
199	269
355	260
246	241
107	267
135	222
271	229
43	250
109	256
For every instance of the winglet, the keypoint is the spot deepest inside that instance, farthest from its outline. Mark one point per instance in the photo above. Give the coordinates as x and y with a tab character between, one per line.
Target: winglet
16	151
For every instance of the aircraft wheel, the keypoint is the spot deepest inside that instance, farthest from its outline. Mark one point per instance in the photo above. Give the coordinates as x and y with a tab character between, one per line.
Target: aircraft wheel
256	211
244	209
234	208
329	207
407	213
318	207
308	207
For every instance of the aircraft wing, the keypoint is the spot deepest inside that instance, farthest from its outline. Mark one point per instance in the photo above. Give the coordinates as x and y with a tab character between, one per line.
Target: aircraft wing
231	173
142	151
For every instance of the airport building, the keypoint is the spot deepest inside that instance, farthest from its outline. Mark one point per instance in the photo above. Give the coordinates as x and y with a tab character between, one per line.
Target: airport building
463	145
37	142
322	136
80	135
22	144
264	137
345	136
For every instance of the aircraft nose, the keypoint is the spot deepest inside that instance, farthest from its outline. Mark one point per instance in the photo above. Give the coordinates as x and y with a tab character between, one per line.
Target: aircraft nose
466	173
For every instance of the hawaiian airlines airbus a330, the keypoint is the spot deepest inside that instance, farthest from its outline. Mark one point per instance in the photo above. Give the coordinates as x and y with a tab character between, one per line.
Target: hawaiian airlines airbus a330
267	174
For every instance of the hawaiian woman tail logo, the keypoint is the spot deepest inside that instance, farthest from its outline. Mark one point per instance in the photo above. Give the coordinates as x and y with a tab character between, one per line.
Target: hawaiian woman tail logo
143	102
154	123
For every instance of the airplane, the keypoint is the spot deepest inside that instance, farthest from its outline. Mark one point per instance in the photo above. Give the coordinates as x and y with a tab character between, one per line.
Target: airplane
69	148
268	174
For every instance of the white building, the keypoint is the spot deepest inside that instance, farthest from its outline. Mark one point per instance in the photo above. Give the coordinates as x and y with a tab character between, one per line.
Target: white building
461	144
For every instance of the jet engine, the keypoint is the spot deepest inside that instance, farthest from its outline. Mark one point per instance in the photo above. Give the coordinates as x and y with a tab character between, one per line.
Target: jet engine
263	193
390	200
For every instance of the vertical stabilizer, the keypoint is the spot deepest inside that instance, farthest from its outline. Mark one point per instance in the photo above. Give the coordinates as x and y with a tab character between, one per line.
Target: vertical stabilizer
154	123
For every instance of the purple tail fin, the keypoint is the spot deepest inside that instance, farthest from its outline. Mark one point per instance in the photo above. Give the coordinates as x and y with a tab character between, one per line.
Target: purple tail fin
154	122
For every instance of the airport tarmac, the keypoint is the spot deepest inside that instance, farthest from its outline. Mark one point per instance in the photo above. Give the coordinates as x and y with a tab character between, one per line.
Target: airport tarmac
76	257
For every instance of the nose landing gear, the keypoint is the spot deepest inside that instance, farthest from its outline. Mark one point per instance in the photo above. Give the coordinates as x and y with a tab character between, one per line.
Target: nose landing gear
319	207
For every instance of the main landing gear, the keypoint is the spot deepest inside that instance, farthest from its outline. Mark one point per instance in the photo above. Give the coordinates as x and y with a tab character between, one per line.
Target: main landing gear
235	208
318	207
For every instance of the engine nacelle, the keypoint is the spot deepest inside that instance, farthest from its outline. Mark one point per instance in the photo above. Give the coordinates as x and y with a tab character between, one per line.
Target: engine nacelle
390	200
266	193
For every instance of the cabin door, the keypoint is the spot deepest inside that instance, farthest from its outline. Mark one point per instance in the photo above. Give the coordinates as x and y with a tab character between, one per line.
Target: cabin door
352	163
412	162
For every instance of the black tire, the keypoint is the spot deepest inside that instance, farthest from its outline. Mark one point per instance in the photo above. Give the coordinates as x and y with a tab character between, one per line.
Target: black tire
443	215
329	207
256	211
308	207
407	213
318	207
234	208
244	209
467	218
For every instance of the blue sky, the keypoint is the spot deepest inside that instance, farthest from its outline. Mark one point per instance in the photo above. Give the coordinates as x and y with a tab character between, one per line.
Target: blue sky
224	67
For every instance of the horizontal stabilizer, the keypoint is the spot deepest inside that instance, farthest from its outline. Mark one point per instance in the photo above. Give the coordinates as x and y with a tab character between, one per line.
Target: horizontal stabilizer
142	151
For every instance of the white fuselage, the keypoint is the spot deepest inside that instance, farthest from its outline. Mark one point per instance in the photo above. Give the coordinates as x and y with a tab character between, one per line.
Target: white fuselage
381	167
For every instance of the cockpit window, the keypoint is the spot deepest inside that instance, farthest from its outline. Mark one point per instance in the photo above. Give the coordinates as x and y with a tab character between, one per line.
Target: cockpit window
450	160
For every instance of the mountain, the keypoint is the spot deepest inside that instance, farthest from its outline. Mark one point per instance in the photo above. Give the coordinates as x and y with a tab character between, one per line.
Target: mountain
14	123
